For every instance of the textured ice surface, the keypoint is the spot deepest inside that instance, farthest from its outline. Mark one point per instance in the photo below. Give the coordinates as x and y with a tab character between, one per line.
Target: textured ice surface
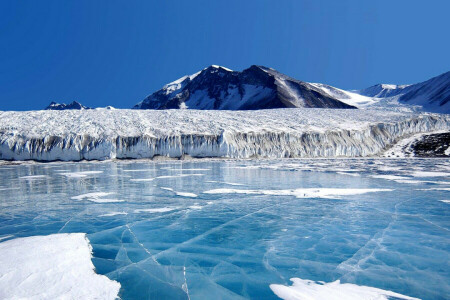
161	245
57	266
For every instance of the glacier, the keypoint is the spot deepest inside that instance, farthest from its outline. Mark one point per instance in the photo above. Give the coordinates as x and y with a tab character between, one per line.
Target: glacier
102	134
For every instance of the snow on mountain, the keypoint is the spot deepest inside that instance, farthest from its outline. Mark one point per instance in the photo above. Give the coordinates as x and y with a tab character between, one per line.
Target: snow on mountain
432	95
348	97
63	106
274	133
257	87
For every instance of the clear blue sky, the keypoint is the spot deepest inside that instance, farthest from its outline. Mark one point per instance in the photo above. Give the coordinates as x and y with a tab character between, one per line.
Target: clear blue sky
117	52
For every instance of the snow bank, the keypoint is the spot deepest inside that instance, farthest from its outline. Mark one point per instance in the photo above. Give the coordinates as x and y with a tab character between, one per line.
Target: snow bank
276	133
309	290
57	266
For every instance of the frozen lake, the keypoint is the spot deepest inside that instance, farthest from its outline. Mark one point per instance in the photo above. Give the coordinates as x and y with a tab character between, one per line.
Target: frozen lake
243	229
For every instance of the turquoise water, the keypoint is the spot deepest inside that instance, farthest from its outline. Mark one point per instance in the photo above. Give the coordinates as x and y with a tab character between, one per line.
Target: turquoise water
165	231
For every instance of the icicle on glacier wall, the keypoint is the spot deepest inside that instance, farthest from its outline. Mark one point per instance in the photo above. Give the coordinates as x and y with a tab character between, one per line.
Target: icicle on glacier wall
107	134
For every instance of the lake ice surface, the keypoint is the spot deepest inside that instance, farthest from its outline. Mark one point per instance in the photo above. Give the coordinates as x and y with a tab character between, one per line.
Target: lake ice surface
243	229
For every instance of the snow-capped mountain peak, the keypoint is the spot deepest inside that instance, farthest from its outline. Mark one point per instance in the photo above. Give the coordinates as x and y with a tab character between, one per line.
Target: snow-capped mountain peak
63	106
431	95
257	87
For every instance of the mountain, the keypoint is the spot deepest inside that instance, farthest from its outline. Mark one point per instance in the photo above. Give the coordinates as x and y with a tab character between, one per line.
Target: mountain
432	95
63	106
258	87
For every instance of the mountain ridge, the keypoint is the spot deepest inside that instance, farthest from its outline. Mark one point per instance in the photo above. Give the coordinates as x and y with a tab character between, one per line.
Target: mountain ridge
432	95
256	87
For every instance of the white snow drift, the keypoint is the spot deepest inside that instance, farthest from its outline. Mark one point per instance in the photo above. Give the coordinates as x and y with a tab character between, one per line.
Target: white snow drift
57	266
310	290
276	133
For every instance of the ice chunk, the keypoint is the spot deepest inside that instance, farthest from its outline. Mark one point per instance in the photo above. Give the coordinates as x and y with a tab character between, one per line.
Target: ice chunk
309	290
56	266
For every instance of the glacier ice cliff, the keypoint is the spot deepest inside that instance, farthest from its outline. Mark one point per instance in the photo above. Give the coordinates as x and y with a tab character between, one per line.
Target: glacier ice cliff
108	134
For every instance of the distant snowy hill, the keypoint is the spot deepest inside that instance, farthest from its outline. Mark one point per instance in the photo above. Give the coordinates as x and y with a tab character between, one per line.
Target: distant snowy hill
63	106
432	95
257	87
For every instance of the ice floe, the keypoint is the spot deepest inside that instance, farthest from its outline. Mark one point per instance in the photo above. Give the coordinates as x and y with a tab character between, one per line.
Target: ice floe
56	266
302	289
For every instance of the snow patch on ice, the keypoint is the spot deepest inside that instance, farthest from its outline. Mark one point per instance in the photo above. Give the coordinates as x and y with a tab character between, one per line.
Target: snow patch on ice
138	170
434	189
80	174
155	210
32	177
302	289
196	206
390	177
96	197
222	182
430	174
142	179
115	213
182	194
329	193
56	266
349	174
